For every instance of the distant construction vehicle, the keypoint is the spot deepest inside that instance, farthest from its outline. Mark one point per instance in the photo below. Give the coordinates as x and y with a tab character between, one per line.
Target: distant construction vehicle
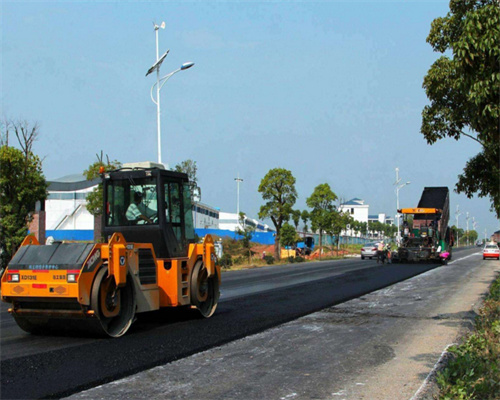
425	233
150	261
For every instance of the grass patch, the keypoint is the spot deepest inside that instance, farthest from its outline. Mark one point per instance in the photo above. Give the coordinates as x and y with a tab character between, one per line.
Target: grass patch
474	369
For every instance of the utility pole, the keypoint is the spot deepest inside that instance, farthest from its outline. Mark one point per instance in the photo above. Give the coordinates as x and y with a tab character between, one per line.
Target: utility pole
238	181
467	227
398	186
457	214
157	27
474	227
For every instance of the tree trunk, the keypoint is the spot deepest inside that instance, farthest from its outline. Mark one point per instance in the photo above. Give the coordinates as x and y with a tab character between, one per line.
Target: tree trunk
320	243
277	249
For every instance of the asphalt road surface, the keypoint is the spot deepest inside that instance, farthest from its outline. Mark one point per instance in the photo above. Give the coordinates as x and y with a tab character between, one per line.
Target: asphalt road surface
252	301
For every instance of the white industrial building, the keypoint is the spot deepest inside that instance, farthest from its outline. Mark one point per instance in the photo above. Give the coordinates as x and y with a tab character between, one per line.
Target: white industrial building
230	222
205	216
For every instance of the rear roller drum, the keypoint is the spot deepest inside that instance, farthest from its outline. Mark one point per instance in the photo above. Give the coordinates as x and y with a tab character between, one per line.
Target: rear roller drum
114	307
204	290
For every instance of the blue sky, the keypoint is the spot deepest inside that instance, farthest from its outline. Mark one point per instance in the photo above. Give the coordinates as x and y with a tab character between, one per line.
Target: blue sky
330	90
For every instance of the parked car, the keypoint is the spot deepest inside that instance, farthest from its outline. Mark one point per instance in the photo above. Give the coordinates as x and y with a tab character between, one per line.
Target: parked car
369	250
479	243
491	250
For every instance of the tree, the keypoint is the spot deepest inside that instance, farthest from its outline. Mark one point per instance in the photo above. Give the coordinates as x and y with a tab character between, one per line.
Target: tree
339	223
464	91
389	230
356	227
296	214
289	235
95	198
278	188
363	226
305	218
22	184
189	167
376	226
323	209
468	237
246	235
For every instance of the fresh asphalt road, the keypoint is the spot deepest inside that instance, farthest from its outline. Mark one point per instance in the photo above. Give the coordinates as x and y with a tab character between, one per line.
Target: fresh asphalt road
252	301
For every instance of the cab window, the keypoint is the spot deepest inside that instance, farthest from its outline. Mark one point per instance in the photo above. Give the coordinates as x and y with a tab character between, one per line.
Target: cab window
132	202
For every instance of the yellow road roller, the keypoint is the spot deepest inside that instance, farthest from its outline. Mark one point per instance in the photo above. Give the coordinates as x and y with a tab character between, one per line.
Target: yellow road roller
149	260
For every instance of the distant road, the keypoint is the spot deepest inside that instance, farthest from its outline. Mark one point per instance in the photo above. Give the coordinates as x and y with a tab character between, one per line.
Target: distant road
251	301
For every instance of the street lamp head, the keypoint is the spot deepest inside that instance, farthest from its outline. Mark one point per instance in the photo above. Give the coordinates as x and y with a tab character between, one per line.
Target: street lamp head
162	26
186	65
408	182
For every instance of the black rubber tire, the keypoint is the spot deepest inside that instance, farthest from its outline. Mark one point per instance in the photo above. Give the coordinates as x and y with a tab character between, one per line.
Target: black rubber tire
118	325
362	257
204	291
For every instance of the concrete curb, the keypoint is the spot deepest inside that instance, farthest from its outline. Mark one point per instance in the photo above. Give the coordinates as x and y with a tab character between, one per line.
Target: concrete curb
429	389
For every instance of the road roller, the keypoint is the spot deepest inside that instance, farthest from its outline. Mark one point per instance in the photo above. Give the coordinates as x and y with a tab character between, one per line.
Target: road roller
148	259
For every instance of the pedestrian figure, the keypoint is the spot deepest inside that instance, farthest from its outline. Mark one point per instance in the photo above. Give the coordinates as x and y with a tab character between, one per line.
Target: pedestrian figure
380	252
388	254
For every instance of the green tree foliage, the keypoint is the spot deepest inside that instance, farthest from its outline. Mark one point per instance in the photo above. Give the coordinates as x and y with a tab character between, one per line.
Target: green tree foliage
471	235
296	214
22	184
189	167
322	202
464	90
246	235
289	235
278	189
305	219
95	198
339	223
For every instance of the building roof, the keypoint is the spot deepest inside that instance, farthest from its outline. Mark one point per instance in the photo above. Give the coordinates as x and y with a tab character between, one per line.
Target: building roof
70	183
354	202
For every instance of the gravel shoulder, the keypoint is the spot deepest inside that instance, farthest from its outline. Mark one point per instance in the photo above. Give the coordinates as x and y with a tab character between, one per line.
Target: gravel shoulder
379	346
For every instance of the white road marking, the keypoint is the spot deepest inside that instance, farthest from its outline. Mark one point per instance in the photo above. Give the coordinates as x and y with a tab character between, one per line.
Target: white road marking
463	258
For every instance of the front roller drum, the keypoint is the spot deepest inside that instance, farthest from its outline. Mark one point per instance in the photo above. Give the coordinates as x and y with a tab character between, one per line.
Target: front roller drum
114	312
113	307
204	290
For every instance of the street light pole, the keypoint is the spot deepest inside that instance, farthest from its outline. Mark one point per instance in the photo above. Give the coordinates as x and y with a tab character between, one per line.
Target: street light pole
158	110
398	187
467	227
458	214
474	227
238	181
160	82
